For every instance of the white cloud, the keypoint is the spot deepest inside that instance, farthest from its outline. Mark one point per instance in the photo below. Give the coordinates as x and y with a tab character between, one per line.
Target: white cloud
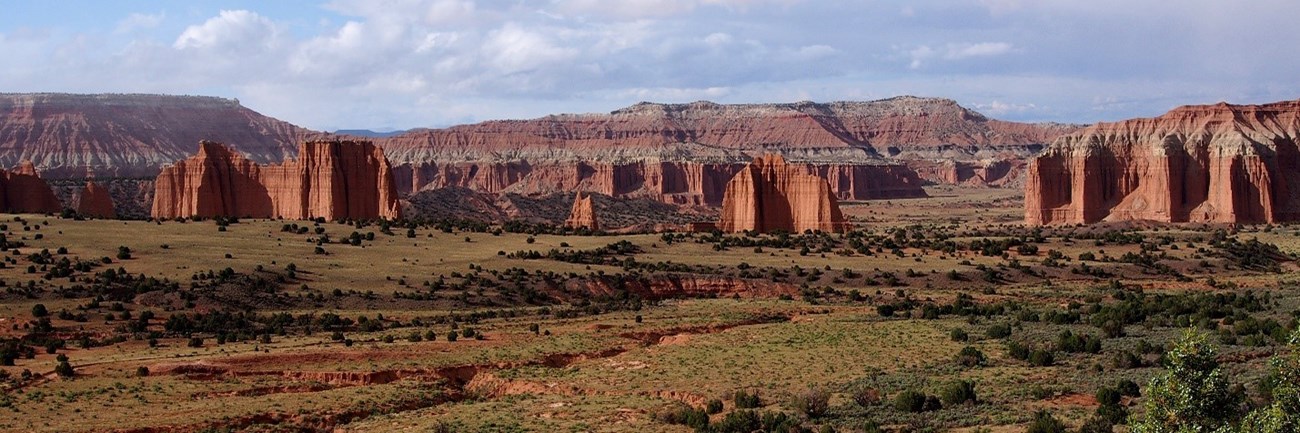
233	30
983	49
513	48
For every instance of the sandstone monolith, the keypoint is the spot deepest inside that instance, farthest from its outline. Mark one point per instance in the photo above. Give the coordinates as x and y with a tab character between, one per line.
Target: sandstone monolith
25	192
769	195
95	201
330	179
583	214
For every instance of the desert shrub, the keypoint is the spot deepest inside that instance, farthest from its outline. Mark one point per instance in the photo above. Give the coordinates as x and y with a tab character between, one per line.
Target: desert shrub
745	400
813	402
741	421
1041	358
713	406
1001	330
1044	422
969	356
915	402
866	396
958	392
959	335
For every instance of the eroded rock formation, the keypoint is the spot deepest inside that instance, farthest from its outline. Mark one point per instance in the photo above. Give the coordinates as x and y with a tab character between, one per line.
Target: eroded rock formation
1209	163
95	201
769	195
684	153
25	192
583	214
330	179
116	135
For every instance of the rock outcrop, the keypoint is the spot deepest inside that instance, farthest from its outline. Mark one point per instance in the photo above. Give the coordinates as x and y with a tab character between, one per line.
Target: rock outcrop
769	195
25	192
583	214
116	135
1210	163
95	201
330	179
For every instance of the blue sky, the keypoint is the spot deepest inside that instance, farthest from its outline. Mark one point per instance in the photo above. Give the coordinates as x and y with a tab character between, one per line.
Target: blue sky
426	63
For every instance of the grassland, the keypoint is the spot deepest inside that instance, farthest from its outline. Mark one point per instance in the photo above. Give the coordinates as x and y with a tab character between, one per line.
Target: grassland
259	328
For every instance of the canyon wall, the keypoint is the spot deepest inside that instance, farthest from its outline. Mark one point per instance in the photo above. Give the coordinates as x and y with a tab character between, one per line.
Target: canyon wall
684	153
25	192
330	179
770	195
1209	163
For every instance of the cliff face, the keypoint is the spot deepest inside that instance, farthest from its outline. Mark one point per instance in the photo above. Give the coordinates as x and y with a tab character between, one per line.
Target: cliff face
1210	163
770	195
683	153
25	192
95	201
79	136
583	214
330	179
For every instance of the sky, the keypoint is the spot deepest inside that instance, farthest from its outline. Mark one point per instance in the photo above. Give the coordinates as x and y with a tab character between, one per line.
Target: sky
383	65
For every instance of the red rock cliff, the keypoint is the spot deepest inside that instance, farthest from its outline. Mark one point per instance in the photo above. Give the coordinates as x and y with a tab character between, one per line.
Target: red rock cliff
683	153
330	179
770	195
95	201
25	192
1209	163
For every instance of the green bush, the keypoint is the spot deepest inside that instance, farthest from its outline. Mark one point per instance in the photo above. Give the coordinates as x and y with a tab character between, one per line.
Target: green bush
745	400
958	392
1044	422
969	356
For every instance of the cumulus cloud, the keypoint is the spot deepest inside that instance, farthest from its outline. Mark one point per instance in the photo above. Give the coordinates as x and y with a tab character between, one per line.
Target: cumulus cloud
231	30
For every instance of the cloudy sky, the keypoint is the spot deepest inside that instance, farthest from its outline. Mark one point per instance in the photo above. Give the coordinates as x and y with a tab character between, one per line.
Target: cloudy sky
426	63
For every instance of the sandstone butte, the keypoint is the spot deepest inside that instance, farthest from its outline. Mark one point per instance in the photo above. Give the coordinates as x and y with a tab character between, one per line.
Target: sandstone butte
769	195
1205	163
685	153
95	201
330	179
583	214
25	192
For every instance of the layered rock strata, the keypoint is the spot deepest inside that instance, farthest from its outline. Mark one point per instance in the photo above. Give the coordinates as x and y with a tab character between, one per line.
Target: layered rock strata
95	201
125	135
25	192
1209	163
330	179
583	214
683	153
769	195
